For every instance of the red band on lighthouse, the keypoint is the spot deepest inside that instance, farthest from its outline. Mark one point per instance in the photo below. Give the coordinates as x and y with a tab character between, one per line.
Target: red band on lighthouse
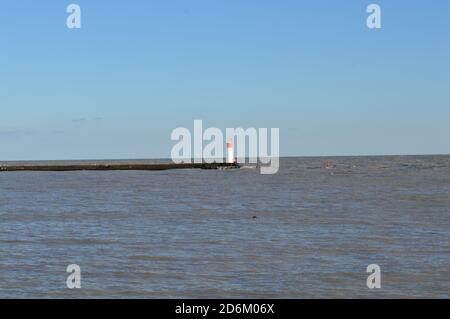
230	153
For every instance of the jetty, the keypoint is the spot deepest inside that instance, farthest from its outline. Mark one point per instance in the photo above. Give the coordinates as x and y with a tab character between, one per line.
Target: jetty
112	167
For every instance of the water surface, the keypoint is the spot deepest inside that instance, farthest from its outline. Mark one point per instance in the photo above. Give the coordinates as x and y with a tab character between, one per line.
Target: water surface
193	233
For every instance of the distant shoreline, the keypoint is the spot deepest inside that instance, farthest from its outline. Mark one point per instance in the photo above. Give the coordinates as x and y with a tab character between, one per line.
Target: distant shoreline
169	161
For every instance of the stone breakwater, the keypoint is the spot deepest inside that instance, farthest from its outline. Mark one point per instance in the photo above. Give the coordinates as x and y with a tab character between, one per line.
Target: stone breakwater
113	167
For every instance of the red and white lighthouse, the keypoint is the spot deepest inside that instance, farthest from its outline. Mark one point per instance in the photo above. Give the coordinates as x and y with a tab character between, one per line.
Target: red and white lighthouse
230	152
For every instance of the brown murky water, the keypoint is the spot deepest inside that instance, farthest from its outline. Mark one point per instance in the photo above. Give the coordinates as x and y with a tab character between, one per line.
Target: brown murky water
192	233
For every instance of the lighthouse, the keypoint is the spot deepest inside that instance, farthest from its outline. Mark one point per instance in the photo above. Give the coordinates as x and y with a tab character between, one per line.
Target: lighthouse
230	152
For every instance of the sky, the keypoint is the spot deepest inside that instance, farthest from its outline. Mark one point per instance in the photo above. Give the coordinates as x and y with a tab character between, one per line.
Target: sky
136	70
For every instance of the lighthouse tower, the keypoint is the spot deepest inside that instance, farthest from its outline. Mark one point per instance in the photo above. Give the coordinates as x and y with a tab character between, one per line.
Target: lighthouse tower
230	152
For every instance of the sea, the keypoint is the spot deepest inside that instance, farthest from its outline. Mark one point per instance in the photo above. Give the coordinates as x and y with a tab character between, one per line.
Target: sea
305	232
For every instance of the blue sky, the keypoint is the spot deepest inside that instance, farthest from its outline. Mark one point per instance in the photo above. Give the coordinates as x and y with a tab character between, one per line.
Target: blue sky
136	70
